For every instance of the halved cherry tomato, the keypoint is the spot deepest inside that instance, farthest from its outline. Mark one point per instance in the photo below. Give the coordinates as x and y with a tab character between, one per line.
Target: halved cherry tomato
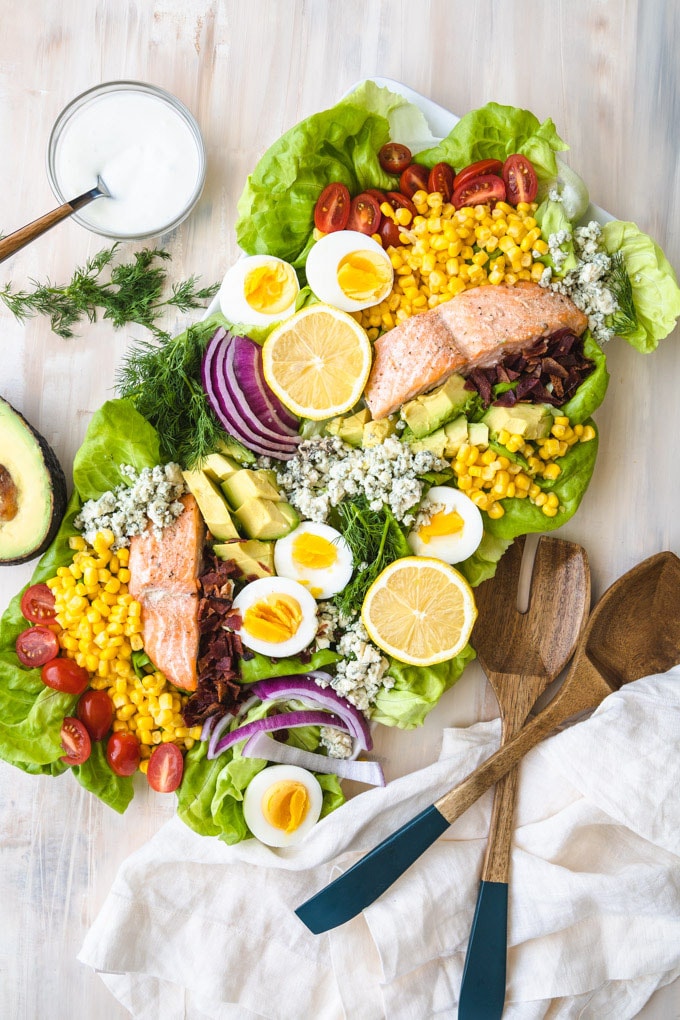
414	178
123	753
441	180
95	711
65	675
76	741
37	604
389	232
482	166
394	158
480	190
521	183
331	211
364	214
36	646
166	766
399	201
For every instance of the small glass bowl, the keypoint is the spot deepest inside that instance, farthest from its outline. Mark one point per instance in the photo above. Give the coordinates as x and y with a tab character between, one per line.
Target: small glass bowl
91	96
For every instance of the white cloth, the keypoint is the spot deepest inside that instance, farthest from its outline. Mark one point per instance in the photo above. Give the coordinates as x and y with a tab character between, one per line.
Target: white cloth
194	929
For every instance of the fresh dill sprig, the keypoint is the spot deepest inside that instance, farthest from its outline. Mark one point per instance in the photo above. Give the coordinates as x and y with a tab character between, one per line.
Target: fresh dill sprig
134	292
163	380
375	538
625	318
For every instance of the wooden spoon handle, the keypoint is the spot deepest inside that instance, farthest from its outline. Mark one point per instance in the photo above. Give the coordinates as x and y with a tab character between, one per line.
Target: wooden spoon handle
20	238
497	860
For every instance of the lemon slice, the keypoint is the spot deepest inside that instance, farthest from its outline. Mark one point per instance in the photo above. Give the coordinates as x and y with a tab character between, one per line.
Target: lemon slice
317	362
419	610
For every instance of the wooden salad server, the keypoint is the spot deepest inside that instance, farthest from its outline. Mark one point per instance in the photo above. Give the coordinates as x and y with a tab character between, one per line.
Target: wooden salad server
20	238
633	631
522	652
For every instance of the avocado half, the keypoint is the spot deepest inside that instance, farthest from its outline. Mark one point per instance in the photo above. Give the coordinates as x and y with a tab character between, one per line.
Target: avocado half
32	489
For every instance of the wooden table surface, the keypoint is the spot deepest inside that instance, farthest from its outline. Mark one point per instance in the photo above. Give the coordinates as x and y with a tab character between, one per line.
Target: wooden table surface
605	71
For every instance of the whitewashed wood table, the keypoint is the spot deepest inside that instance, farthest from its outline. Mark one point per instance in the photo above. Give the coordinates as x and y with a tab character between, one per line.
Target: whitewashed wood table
606	72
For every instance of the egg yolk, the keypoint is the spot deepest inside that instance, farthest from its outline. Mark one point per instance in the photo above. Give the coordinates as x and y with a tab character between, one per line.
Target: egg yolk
444	522
275	618
363	275
285	804
314	552
270	288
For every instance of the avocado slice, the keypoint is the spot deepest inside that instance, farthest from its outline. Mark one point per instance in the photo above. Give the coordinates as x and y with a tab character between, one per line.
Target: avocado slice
532	421
212	505
429	411
32	489
218	466
376	432
265	518
253	558
246	484
350	429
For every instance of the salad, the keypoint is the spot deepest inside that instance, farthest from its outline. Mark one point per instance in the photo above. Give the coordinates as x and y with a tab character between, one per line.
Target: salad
263	520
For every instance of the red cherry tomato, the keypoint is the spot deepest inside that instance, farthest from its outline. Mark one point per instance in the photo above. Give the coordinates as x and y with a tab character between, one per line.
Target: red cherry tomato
389	233
123	753
37	604
480	190
394	158
364	214
76	741
378	195
482	166
166	766
414	178
441	180
95	711
36	646
65	675
331	211
399	201
521	183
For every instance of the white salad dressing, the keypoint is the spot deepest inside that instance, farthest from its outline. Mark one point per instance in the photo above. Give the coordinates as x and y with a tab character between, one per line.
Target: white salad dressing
146	153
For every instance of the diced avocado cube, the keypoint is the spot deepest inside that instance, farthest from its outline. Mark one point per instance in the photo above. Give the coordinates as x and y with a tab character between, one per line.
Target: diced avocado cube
265	518
253	558
434	443
218	466
376	432
531	421
456	434
350	429
478	434
212	505
247	484
429	411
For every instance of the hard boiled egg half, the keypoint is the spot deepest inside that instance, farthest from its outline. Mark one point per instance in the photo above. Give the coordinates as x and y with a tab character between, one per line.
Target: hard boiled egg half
317	556
349	270
449	526
259	290
278	616
281	804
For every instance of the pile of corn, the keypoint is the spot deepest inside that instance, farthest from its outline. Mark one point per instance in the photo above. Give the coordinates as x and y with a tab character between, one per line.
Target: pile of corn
446	250
101	627
488	478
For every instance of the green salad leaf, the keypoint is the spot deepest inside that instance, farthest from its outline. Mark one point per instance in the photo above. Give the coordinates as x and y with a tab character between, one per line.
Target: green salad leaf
416	690
552	219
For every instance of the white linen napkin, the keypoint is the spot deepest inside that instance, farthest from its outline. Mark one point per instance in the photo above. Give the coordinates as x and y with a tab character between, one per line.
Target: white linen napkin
195	929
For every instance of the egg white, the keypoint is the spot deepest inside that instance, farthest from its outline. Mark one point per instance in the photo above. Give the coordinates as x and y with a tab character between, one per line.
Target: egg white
450	548
260	589
252	800
323	262
233	303
326	581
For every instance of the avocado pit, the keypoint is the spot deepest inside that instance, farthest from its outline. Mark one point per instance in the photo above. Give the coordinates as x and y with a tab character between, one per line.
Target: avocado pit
9	505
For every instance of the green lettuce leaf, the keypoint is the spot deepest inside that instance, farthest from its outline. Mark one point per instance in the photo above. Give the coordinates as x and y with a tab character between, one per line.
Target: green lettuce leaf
416	690
552	218
496	132
261	667
96	776
655	288
591	392
117	434
483	562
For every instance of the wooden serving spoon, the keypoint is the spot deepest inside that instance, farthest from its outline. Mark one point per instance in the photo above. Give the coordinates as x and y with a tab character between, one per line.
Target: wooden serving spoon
633	631
522	653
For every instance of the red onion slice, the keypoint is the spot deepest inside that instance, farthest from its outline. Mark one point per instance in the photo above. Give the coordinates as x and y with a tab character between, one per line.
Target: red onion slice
247	369
283	721
263	746
303	687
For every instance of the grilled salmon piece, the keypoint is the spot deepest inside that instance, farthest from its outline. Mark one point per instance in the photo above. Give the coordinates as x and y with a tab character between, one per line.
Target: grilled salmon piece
475	329
164	579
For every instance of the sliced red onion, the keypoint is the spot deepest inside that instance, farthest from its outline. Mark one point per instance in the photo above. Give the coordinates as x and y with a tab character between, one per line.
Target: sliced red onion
283	721
225	721
241	390
303	687
207	727
247	368
263	746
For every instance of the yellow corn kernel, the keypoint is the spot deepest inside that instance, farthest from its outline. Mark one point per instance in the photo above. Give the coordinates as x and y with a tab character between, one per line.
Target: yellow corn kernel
549	511
126	712
587	434
495	510
552	471
541	499
120	726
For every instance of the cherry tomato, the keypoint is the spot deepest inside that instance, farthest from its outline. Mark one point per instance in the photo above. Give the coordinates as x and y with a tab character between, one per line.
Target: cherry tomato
394	158
36	646
76	741
478	191
331	211
65	675
364	214
123	753
166	766
37	604
389	232
521	183
399	201
441	180
414	178
378	195
482	166
95	711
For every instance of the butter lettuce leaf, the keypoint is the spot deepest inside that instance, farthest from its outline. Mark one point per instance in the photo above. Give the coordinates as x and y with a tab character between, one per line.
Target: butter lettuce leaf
416	690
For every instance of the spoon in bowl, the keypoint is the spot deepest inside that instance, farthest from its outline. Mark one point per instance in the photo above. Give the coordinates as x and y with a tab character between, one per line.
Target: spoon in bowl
20	238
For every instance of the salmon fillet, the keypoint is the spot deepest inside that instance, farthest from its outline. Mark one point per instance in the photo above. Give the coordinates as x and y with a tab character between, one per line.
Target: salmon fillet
475	329
164	579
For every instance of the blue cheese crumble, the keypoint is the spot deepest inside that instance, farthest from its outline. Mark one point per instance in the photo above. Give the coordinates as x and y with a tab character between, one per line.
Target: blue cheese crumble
362	672
152	495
